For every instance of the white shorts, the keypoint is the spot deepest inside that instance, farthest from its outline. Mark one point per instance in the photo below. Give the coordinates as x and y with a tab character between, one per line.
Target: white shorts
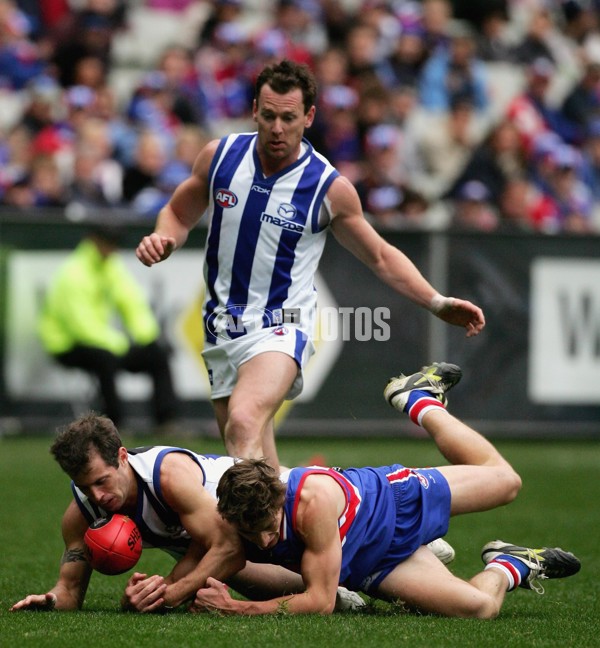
224	359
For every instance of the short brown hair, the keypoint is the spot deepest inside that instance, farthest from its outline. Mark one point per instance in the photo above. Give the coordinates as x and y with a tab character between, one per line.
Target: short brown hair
286	76
75	442
250	494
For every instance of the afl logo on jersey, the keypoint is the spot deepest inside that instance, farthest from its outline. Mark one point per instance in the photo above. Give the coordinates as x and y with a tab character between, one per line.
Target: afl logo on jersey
281	330
225	198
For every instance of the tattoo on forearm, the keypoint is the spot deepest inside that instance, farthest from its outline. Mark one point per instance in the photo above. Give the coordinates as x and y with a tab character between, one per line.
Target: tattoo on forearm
73	555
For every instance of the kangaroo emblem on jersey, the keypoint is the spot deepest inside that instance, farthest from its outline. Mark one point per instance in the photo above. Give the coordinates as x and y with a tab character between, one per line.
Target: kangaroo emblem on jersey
287	211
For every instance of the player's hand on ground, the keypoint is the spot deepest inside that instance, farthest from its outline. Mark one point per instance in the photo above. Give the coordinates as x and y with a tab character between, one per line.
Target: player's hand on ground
144	593
461	313
36	602
154	249
215	596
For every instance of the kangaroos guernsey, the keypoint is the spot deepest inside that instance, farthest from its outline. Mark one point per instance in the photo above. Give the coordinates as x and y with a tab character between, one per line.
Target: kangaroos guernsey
265	240
158	523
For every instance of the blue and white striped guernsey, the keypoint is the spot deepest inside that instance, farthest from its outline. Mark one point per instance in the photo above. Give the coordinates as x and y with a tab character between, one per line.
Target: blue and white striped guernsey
265	240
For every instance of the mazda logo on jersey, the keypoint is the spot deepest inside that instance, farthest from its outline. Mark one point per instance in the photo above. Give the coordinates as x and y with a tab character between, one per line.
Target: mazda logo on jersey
225	198
287	211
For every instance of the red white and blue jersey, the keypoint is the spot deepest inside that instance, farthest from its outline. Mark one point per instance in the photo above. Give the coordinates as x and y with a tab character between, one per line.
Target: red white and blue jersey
158	523
265	240
390	512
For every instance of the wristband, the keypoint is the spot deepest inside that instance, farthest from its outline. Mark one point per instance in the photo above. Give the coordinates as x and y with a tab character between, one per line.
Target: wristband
52	601
439	302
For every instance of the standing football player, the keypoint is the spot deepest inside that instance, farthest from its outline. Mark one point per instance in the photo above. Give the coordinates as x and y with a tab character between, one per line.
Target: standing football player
271	198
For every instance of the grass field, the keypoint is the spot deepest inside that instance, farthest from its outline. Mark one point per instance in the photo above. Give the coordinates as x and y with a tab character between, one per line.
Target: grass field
558	505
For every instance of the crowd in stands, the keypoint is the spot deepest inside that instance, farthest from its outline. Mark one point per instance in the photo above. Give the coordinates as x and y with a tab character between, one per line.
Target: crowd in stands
476	115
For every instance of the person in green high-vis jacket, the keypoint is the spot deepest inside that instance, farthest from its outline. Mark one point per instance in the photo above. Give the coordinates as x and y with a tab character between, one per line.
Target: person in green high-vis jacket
79	325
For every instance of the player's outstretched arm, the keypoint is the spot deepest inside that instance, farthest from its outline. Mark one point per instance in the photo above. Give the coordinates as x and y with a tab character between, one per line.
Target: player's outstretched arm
74	576
391	265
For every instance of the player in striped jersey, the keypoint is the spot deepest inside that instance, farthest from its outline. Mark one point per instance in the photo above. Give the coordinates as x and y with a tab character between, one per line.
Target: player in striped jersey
170	493
270	199
367	527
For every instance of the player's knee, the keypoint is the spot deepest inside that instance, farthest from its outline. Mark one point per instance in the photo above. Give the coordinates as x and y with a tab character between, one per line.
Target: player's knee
512	483
482	607
243	434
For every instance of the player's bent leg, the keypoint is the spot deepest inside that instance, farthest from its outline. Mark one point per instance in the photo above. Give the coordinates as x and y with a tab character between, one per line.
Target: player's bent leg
424	584
480	488
263	383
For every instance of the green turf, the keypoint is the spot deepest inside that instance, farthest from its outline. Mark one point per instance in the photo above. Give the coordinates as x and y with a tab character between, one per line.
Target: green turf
558	505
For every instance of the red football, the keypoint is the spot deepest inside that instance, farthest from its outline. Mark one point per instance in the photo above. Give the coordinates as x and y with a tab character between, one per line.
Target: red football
114	544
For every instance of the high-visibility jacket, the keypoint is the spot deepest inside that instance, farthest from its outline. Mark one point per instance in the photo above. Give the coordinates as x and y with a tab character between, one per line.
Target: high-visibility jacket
95	301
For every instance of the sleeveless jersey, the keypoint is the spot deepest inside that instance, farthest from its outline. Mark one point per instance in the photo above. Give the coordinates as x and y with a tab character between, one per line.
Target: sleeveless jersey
265	240
158	523
384	518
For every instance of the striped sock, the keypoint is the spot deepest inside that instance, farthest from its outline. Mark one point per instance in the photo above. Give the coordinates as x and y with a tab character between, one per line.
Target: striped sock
419	403
514	570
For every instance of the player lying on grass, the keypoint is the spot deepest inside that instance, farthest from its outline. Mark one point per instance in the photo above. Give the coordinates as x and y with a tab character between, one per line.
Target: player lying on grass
366	527
170	493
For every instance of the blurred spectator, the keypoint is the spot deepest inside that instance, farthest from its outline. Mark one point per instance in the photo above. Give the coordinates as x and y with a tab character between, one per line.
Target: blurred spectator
221	12
149	161
571	197
365	58
495	161
408	56
89	33
152	105
539	36
16	153
21	59
43	104
473	210
495	42
41	186
435	19
97	178
582	104
77	329
403	104
454	72
46	183
122	134
335	130
331	68
531	111
301	21
444	145
90	71
590	172
382	189
545	39
337	20
188	105
580	19
225	72
524	208
374	105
